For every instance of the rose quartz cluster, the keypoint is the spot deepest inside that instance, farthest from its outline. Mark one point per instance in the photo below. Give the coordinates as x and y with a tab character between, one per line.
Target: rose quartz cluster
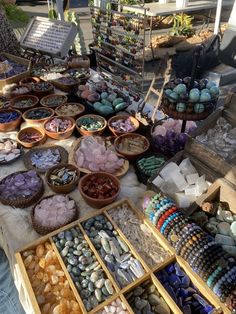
54	211
58	125
93	155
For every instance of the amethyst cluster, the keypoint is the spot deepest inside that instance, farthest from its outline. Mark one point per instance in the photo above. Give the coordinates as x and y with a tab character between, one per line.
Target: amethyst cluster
123	125
182	291
58	125
18	185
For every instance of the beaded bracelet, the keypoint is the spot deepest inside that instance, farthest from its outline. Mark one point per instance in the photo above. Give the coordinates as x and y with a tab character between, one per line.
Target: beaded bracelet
186	251
185	236
185	239
169	219
161	212
202	267
206	256
174	227
218	286
165	211
201	251
166	216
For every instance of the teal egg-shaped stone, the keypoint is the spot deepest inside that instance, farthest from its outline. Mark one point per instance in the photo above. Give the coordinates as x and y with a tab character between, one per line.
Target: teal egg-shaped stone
194	96
174	96
104	95
205	90
181	107
199	108
205	97
214	91
210	84
180	89
168	91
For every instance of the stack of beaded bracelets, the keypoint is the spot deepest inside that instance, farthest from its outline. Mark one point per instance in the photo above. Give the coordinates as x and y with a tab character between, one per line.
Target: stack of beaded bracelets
204	255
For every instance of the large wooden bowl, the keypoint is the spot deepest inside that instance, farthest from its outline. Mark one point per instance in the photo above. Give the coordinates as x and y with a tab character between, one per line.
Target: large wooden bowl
122	117
60	135
32	144
13	125
33	121
89	132
14	102
45	101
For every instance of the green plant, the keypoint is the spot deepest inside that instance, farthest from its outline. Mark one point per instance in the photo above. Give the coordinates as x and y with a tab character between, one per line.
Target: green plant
14	13
182	25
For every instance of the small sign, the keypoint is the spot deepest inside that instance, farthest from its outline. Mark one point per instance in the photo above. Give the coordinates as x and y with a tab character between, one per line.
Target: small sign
49	36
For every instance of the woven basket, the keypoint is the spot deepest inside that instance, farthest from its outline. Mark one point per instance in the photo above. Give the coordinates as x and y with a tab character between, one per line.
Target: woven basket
22	202
18	146
45	230
27	160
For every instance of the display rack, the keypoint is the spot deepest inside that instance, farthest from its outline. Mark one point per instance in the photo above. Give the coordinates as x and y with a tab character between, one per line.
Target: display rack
119	37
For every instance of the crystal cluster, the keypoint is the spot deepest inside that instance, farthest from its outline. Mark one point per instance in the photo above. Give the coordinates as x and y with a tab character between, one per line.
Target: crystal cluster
95	156
55	211
58	125
221	138
167	136
48	280
182	182
8	150
45	159
139	235
18	185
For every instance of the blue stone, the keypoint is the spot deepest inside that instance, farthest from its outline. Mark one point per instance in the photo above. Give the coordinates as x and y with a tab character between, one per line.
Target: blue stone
179	271
186	309
180	302
170	268
61	235
68	235
200	300
170	291
191	291
185	281
183	293
174	281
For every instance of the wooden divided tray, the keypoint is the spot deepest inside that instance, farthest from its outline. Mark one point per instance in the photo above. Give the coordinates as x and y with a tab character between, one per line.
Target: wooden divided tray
118	292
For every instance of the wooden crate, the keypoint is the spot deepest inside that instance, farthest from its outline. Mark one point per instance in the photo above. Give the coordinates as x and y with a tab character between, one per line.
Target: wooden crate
226	168
118	292
201	168
18	77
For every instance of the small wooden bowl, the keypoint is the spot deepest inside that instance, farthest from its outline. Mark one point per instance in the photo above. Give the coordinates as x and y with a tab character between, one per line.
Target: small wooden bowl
32	144
94	202
80	107
84	62
68	88
63	189
120	117
41	93
45	101
13	125
14	93
15	100
33	121
60	135
96	132
130	136
29	80
51	68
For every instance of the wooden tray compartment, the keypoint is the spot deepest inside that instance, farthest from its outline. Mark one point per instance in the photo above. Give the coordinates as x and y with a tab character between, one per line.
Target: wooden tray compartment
25	276
207	295
18	77
159	237
226	168
132	250
201	168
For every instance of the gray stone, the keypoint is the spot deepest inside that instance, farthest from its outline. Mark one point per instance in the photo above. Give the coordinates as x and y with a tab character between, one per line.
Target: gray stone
94	276
154	299
138	291
99	283
98	294
108	286
139	303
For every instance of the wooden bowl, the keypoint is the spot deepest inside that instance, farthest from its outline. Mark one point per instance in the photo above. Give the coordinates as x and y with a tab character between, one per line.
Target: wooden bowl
60	112
122	117
33	121
78	61
66	87
13	125
131	155
94	202
45	101
29	80
32	144
41	93
60	135
14	93
63	189
14	102
87	132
